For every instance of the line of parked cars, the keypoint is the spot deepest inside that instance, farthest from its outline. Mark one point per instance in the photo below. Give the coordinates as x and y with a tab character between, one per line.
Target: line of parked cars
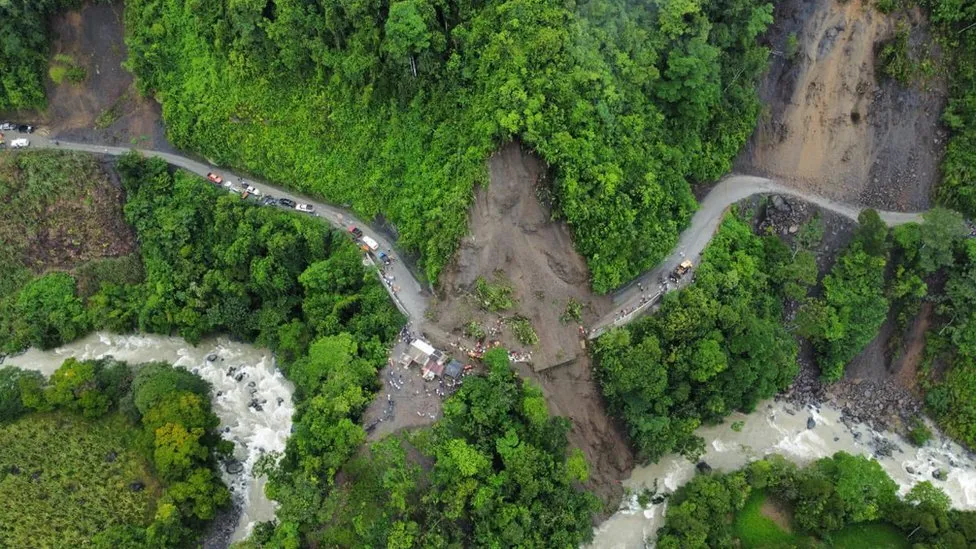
18	143
246	191
10	127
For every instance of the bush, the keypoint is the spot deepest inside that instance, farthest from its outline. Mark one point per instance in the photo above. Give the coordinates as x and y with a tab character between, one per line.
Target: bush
523	330
494	296
854	305
573	312
474	331
48	313
918	432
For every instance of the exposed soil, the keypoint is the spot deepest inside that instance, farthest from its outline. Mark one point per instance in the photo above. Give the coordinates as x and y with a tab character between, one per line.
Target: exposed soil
514	238
105	108
831	126
75	227
906	368
405	399
572	391
777	512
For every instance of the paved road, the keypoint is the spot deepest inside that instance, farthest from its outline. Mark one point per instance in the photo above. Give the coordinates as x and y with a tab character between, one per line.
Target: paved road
629	301
711	210
411	297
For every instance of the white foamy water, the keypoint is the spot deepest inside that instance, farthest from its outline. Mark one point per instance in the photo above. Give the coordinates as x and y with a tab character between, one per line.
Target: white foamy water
771	429
253	379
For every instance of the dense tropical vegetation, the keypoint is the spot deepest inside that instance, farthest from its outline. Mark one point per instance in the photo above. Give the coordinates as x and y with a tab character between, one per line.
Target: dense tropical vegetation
494	471
393	107
854	306
107	457
843	500
58	210
214	263
717	346
24	51
954	21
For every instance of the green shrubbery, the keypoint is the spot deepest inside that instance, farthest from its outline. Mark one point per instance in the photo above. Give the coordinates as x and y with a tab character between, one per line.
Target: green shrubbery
494	296
23	51
394	107
949	17
717	346
854	305
827	497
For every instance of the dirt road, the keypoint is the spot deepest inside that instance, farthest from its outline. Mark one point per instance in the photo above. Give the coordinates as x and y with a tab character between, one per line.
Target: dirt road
413	299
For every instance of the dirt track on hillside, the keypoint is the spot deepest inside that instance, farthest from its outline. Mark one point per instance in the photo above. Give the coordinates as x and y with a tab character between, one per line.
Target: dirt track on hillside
831	127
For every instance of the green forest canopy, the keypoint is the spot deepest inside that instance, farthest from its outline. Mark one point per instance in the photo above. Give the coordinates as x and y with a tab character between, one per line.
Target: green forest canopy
716	346
494	471
107	457
394	107
826	499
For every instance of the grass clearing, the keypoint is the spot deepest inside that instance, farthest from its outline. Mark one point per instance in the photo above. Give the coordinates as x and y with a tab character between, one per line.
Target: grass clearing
755	528
874	535
58	469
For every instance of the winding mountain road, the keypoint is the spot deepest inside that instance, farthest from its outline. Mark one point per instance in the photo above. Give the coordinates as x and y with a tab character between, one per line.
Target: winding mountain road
410	297
629	300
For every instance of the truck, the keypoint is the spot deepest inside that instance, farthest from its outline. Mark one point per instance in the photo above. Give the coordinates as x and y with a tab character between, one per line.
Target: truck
681	270
370	243
19	143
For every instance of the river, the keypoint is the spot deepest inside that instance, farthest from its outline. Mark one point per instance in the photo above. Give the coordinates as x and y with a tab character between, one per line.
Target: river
772	428
775	427
254	430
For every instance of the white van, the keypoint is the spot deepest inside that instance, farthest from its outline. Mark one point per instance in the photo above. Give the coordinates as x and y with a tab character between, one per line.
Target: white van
19	143
372	244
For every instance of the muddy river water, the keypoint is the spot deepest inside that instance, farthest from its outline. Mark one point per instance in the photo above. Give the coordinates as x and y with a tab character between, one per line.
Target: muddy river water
777	427
250	396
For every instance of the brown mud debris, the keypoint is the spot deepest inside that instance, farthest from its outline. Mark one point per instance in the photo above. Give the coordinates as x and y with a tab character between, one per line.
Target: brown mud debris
514	239
831	126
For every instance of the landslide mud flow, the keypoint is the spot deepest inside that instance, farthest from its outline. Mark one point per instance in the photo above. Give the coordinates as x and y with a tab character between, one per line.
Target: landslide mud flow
832	126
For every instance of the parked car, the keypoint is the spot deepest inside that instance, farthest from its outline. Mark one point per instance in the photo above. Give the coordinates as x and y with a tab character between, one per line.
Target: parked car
7	126
252	189
356	231
269	200
307	208
19	143
25	128
286	203
214	178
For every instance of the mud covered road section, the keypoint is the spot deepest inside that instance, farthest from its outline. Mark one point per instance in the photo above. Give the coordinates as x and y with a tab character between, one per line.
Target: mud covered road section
105	107
513	238
831	127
